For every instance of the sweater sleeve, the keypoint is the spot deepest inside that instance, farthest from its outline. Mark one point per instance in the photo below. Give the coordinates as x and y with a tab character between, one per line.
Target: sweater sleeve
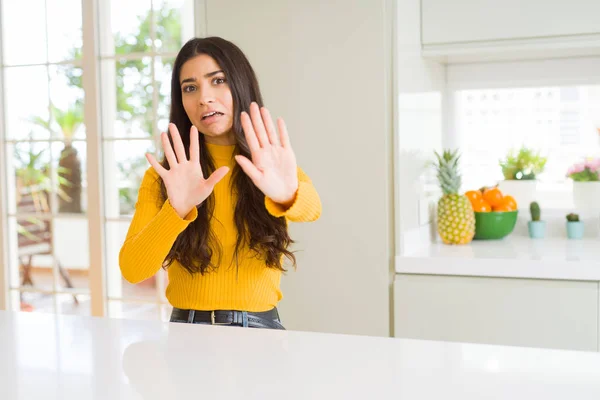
153	230
306	206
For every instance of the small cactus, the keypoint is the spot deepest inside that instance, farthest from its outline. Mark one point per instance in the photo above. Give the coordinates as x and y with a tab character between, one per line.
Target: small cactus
572	217
534	207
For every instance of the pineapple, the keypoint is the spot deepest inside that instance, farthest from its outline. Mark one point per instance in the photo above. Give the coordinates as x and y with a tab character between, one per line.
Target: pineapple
455	216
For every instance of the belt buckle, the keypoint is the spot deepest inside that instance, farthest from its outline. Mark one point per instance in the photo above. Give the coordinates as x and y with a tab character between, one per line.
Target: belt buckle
212	320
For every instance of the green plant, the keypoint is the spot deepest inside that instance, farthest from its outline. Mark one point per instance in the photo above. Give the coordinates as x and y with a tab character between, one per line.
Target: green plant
33	178
586	171
65	123
535	210
136	95
572	217
33	172
525	164
136	101
21	230
131	173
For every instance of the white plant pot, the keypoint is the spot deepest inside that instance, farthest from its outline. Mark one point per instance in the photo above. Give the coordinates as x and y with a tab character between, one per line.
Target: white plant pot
586	196
524	192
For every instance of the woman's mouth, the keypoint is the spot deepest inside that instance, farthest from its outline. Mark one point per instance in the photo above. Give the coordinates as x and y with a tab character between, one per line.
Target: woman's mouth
211	117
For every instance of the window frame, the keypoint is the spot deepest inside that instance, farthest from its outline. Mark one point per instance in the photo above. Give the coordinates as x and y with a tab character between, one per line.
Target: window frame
93	13
516	74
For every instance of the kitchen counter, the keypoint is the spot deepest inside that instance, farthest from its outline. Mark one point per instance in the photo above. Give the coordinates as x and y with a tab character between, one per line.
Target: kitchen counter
516	291
512	257
65	357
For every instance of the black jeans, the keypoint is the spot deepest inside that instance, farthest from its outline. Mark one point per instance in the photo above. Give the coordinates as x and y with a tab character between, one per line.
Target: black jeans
265	320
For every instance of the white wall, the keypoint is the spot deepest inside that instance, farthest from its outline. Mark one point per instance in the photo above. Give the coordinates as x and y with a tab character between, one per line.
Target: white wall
420	120
325	67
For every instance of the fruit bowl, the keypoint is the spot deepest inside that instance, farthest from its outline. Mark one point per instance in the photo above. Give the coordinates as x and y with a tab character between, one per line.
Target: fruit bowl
495	224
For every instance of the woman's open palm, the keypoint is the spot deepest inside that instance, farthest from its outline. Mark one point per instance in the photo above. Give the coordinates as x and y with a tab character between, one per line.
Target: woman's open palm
273	166
184	180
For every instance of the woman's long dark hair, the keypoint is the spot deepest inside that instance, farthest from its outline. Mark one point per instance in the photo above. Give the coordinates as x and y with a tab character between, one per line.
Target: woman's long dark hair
265	235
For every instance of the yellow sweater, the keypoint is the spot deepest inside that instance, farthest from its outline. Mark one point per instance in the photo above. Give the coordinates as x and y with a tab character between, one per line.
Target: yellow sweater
154	229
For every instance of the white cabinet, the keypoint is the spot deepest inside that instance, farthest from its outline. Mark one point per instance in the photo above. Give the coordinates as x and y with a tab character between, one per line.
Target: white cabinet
465	21
555	314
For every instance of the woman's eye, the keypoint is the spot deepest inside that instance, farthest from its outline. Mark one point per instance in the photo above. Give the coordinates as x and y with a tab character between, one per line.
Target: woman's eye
219	81
188	89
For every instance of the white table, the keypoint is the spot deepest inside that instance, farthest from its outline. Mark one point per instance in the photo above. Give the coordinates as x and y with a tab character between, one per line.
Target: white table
64	357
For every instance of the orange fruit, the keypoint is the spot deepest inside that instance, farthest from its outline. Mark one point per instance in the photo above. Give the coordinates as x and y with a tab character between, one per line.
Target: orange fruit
493	196
482	206
474	196
503	207
510	201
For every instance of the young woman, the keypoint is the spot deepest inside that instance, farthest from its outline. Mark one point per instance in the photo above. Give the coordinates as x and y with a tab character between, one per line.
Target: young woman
214	211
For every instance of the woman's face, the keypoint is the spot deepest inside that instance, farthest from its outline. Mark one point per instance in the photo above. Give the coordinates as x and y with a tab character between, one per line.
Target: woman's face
207	99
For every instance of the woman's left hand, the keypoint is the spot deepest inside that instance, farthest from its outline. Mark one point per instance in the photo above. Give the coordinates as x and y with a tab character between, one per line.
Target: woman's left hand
273	167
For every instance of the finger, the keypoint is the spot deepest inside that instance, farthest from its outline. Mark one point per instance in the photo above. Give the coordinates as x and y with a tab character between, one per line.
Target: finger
268	121
259	126
177	143
249	168
194	146
249	132
160	170
283	133
216	176
171	159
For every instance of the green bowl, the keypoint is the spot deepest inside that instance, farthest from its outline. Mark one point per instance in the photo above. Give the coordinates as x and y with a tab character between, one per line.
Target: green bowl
495	224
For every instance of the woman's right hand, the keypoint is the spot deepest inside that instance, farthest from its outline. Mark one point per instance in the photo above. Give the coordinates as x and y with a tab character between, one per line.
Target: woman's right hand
184	180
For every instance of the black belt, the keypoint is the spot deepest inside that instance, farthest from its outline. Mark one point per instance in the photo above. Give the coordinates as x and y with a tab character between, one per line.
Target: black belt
266	319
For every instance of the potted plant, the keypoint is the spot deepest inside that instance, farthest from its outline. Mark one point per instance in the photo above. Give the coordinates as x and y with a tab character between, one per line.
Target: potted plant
536	227
575	227
520	170
65	123
586	184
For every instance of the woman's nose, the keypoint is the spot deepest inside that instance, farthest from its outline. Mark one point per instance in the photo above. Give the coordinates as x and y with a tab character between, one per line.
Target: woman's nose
206	96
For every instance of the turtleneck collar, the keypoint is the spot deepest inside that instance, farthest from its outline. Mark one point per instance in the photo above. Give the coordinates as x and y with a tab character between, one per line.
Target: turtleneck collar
221	152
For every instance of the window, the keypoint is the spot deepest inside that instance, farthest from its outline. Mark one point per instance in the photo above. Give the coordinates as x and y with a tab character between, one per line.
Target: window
136	61
44	151
45	146
562	122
